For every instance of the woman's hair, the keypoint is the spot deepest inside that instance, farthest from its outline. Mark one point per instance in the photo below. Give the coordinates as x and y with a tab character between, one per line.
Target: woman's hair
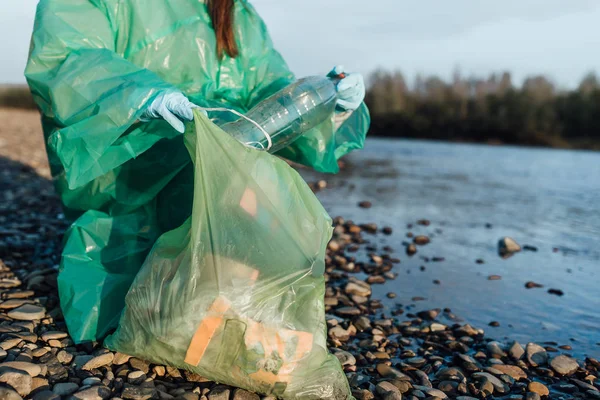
221	14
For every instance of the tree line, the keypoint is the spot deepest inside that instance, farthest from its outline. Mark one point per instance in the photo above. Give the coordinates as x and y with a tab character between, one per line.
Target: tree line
491	110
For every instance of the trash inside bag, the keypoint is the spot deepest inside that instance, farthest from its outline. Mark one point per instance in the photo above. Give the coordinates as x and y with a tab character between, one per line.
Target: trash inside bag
236	294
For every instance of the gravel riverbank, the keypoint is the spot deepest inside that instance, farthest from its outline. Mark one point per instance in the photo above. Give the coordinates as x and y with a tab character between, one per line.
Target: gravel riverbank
388	353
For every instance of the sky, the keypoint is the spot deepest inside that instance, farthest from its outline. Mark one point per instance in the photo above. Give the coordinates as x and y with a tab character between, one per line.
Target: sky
558	38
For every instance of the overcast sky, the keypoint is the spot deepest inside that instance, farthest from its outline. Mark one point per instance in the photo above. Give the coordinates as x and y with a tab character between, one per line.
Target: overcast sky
560	38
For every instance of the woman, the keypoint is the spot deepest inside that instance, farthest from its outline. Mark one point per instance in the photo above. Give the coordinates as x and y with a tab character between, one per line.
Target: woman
115	80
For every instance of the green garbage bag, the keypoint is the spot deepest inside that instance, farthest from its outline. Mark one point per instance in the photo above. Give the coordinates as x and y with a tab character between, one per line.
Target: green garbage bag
236	294
93	67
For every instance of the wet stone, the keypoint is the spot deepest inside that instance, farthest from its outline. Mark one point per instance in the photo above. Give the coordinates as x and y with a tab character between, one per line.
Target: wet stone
348	311
358	288
516	351
421	240
538	388
532	396
511	370
564	365
10	343
536	354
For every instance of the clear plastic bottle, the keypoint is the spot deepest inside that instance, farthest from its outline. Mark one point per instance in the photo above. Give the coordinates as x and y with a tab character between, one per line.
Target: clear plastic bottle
287	114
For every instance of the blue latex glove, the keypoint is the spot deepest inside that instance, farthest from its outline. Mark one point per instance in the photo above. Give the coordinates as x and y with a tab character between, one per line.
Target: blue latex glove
351	89
173	107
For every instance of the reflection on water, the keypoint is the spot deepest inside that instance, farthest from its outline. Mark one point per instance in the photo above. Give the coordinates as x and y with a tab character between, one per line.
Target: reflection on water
549	199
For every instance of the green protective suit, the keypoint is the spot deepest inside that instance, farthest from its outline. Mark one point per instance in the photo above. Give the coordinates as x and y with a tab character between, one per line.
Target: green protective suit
94	66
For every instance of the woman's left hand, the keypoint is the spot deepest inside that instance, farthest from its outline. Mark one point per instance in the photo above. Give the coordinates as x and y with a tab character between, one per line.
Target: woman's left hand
351	89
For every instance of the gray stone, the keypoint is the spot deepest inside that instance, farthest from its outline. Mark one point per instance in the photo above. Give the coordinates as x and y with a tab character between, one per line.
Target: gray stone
564	365
45	395
30	368
19	380
536	354
98	361
65	389
92	393
362	323
241	394
532	396
28	312
388	391
91	381
495	349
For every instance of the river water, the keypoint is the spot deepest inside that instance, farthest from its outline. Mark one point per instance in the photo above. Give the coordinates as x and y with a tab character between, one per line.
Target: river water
474	195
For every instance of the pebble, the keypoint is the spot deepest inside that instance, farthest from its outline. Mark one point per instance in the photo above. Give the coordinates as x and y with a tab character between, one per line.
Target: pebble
219	393
9	394
140	364
507	247
19	380
27	312
421	240
511	370
92	381
532	285
138	392
136	377
388	391
121	358
556	292
98	361
411	249
358	288
30	368
65	389
54	335
536	355
498	384
532	396
564	365
10	343
64	357
494	277
345	358
241	394
516	351
92	393
538	388
365	204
